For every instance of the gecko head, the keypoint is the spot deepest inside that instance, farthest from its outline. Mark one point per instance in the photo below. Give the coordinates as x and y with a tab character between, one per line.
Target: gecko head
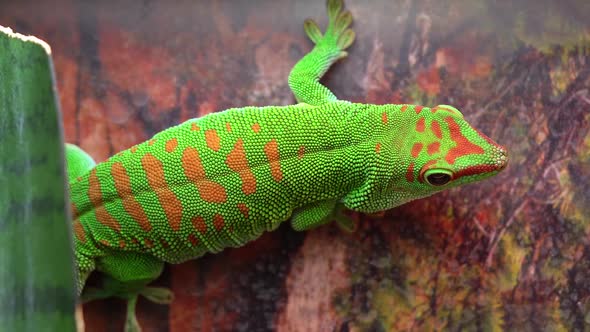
446	151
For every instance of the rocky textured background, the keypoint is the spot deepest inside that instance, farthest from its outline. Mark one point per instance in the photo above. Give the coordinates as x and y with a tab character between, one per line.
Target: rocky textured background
511	253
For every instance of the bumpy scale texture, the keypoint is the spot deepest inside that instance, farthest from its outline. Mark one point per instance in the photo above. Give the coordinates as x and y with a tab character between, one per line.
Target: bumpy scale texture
222	180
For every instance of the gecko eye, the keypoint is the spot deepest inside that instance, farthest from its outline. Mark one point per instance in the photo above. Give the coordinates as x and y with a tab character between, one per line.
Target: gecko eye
438	177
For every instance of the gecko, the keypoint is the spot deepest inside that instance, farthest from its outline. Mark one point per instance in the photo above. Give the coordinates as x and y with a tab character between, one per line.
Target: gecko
223	179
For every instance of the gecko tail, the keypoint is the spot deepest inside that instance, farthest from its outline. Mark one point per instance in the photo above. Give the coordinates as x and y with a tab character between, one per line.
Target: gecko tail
78	161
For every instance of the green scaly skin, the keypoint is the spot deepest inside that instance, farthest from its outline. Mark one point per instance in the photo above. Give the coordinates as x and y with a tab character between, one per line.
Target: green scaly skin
222	180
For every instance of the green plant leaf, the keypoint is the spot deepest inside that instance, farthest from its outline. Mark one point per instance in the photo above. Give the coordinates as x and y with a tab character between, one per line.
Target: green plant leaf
37	288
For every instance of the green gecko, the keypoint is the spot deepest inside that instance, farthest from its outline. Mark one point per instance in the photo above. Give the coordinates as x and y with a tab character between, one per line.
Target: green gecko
223	179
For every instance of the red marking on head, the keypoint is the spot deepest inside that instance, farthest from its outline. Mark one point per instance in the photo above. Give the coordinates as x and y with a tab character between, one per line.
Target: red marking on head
95	195
79	231
218	222
404	108
154	171
199	224
171	145
121	244
433	148
416	149
378	147
105	243
384	117
271	150
418	109
463	146
410	173
212	139
133	149
236	161
148	243
130	204
435	127
244	209
152	141
193	239
228	127
489	140
195	127
256	127
420	125
192	165
474	170
301	152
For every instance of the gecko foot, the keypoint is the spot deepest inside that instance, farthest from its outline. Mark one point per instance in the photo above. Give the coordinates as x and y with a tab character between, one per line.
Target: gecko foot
337	33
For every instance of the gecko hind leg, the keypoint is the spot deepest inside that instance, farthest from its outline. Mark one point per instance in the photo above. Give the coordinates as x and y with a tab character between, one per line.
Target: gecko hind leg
126	275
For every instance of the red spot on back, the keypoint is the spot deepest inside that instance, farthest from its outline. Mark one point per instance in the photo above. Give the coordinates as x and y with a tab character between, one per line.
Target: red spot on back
418	109
256	127
435	127
384	117
105	243
463	146
271	150
236	161
148	243
195	127
171	145
122	244
164	243
152	141
130	204
404	108
244	209
154	171
212	139
433	148
416	149
199	224
193	239
79	231
192	165
301	152
95	196
420	125
378	147
73	210
228	127
218	222
133	149
410	173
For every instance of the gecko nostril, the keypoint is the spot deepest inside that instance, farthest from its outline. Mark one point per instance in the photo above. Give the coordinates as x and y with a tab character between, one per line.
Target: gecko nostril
502	159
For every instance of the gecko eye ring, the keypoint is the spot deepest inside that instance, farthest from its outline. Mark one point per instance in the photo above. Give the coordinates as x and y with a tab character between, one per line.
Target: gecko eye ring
437	177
